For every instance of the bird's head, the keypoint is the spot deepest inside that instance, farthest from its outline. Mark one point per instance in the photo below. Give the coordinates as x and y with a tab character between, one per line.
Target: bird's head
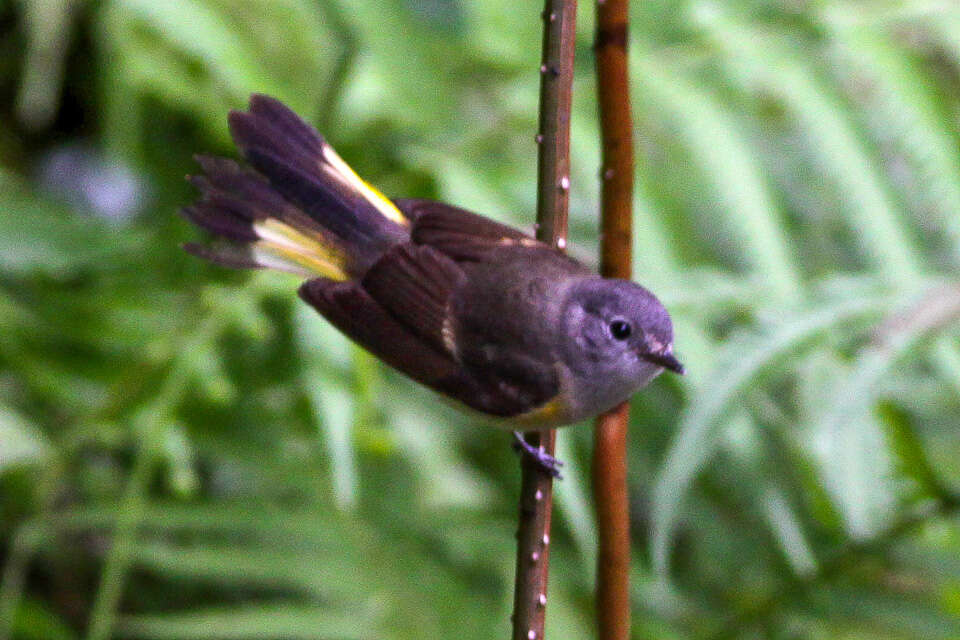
617	329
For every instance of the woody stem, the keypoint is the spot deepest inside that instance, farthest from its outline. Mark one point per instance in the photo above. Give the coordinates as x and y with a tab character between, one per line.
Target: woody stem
553	189
611	499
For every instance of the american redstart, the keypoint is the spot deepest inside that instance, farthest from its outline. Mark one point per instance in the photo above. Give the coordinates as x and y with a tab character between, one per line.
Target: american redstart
476	310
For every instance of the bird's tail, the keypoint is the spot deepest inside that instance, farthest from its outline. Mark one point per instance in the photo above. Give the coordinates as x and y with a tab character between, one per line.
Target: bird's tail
297	207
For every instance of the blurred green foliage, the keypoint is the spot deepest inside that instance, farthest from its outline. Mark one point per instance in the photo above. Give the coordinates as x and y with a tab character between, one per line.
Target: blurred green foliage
191	453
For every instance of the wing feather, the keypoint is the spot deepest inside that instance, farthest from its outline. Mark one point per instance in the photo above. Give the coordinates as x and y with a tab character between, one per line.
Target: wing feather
415	284
402	311
351	310
458	233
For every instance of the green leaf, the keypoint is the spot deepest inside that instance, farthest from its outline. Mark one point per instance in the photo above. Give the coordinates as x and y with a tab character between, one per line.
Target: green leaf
856	461
320	575
198	30
37	235
909	450
901	105
35	621
730	165
786	526
738	364
266	621
20	441
764	63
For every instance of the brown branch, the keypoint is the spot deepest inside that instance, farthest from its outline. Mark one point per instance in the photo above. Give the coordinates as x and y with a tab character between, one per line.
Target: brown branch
553	194
610	436
613	524
616	130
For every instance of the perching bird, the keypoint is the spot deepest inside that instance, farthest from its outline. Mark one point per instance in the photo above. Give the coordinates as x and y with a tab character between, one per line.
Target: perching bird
475	310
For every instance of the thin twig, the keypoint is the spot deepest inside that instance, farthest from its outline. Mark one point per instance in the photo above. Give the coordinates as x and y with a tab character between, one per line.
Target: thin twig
610	435
553	192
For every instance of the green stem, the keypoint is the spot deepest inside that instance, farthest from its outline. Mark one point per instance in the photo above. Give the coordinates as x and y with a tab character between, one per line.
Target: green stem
149	425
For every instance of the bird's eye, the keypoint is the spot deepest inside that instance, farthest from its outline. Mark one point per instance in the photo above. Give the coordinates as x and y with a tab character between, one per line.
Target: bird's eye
620	329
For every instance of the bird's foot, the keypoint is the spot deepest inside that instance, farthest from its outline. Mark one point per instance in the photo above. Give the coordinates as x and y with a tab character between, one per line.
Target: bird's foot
543	459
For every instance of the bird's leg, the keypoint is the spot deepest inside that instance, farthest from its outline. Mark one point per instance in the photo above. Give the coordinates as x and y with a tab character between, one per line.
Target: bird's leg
546	461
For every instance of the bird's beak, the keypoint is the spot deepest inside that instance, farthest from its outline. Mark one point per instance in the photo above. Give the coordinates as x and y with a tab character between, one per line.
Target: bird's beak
665	360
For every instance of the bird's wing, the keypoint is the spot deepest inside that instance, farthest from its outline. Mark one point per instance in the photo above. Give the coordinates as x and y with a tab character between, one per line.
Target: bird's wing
400	312
517	383
348	307
414	284
458	233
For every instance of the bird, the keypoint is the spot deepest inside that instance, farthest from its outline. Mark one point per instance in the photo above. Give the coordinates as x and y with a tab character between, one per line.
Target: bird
504	325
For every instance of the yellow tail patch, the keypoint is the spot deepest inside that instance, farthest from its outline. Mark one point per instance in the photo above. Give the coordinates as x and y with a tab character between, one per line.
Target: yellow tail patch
341	171
287	249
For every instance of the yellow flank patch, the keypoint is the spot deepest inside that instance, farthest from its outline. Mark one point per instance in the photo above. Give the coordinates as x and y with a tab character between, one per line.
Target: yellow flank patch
549	414
347	176
299	251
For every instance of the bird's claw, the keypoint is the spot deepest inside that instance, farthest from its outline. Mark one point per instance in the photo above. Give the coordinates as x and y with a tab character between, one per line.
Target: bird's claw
543	459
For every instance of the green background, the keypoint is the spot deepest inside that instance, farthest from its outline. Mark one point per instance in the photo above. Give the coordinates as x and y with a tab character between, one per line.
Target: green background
187	452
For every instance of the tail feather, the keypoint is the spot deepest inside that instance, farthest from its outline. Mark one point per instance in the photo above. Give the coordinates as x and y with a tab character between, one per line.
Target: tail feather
221	219
308	172
285	120
313	195
228	177
297	208
234	256
272	127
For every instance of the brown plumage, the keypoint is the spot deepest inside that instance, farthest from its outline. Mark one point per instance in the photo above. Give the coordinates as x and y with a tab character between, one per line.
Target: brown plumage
473	309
